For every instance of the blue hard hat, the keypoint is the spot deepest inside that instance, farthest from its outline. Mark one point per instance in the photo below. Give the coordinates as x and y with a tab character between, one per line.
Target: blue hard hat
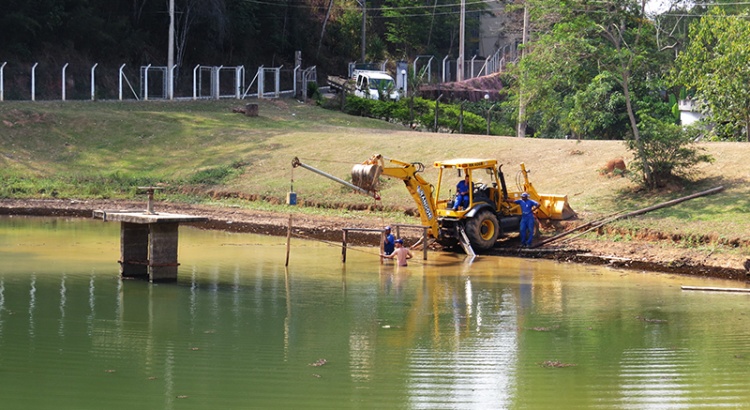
399	240
387	228
524	195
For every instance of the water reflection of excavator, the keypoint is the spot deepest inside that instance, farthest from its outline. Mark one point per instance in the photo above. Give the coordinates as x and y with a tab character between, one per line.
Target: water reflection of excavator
490	212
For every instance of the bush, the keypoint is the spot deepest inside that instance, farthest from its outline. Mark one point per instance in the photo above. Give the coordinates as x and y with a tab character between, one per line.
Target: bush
669	152
420	112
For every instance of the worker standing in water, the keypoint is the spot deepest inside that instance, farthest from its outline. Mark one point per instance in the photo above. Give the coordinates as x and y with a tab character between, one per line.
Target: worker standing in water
389	243
527	219
400	253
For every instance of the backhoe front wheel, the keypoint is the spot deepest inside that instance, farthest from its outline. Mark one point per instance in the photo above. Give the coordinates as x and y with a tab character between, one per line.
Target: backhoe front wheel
483	230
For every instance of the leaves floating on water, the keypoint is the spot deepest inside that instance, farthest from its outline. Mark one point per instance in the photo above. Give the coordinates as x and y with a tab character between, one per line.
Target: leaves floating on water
110	371
319	362
648	320
556	364
317	376
182	396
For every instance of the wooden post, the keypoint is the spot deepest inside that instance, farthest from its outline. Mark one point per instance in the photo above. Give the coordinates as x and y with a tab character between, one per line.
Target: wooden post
424	244
251	110
288	240
382	246
343	247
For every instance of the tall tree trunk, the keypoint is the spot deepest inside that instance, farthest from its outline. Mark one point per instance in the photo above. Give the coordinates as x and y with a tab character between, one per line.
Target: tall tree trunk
432	23
323	30
521	130
634	126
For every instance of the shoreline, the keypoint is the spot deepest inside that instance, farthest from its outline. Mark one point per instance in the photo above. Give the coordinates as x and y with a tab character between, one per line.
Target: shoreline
633	255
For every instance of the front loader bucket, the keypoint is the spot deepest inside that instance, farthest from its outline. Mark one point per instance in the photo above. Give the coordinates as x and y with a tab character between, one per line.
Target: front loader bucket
554	207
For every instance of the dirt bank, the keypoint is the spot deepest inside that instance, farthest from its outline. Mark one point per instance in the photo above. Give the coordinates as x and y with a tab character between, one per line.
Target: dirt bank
643	254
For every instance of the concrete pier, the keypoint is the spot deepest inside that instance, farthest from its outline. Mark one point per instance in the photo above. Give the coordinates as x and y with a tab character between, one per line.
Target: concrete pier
148	242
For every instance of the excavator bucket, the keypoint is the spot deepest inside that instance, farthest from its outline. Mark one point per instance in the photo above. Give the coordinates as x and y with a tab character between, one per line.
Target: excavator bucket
554	207
366	176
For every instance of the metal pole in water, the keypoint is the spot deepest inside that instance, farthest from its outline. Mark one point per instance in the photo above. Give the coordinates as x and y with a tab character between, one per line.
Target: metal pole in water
288	240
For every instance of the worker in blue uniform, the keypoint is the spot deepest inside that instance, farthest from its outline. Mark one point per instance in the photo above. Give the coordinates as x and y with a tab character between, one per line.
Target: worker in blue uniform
462	194
388	242
528	206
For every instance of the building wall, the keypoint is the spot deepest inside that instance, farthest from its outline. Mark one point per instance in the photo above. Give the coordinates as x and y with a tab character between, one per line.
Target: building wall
498	28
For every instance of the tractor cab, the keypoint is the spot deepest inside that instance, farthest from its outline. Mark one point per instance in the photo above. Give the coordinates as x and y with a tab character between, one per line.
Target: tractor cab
482	180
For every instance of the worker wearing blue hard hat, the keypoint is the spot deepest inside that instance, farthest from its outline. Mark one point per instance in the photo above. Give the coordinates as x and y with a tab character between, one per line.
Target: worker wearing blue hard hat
527	218
388	241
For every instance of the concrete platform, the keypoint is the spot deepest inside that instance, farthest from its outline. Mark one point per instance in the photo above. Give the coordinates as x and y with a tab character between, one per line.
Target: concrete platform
148	242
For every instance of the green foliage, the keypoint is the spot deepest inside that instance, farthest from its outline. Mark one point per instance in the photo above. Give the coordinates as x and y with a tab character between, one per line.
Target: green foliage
598	111
74	185
676	111
669	150
313	91
582	67
212	176
420	113
715	66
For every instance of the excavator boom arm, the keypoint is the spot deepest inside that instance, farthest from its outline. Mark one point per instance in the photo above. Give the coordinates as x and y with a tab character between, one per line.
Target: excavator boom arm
365	175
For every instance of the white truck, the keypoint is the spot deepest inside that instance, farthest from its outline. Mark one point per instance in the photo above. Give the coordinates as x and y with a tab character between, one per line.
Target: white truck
369	84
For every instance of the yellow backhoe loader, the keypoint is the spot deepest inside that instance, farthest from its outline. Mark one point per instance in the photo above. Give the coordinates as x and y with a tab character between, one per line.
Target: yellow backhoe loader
491	210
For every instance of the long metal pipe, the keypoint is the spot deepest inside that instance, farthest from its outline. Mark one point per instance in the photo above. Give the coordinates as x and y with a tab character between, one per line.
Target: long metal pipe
296	163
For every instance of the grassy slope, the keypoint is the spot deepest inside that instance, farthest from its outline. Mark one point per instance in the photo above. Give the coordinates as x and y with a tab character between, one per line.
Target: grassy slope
171	141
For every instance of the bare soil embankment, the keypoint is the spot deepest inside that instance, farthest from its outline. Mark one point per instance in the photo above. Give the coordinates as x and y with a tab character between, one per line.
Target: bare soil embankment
652	252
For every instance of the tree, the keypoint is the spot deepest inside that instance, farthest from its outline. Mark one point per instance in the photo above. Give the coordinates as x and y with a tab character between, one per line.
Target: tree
669	150
715	65
625	54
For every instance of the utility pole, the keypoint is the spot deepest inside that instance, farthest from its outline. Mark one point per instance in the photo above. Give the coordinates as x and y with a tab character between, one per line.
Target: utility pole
170	52
461	29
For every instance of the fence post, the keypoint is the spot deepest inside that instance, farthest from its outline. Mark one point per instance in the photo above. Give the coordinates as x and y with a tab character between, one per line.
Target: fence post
171	82
277	82
120	82
238	81
33	81
444	70
93	82
261	81
145	82
217	82
294	87
195	83
2	86
63	80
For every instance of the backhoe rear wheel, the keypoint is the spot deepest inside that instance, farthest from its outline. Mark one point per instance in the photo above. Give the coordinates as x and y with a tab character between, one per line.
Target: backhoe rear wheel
483	230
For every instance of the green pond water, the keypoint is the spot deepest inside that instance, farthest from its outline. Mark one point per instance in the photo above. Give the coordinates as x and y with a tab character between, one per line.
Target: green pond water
238	331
